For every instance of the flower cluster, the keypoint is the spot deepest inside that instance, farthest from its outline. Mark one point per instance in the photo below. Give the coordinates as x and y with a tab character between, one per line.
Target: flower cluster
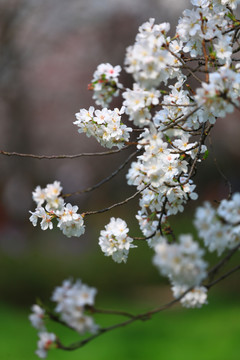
207	22
182	262
150	59
114	240
105	125
163	168
72	300
220	228
221	94
37	318
46	342
138	103
194	298
105	83
69	221
170	146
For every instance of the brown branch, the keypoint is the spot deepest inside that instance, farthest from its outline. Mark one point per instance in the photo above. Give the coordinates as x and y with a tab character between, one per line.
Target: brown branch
57	157
147	315
94	310
227	181
184	118
143	317
212	272
204	51
224	276
193	166
184	65
104	180
114	205
177	105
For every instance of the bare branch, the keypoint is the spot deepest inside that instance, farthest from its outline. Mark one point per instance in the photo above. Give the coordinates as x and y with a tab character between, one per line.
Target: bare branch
212	272
227	181
104	180
59	157
114	205
224	276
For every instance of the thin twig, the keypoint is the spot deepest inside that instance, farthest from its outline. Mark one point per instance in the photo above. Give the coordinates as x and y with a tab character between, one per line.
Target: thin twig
224	276
104	180
204	50
184	65
57	157
114	205
212	272
227	181
94	310
184	118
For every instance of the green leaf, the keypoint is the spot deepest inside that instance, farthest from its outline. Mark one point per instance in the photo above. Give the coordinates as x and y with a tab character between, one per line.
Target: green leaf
205	156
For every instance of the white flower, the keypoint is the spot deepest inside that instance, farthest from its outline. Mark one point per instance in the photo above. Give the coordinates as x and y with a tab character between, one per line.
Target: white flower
106	126
114	240
37	317
221	93
39	196
40	213
194	298
52	191
46	342
223	48
182	262
229	210
69	221
105	83
147	60
71	299
219	228
73	227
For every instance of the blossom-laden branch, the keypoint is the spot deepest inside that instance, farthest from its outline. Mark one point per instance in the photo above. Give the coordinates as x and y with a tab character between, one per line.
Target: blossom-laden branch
172	125
132	318
143	317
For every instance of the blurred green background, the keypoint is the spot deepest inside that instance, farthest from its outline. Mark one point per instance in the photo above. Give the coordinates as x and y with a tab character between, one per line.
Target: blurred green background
49	51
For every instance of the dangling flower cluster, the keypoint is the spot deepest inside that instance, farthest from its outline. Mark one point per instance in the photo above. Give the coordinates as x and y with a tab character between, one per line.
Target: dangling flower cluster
105	125
37	318
183	264
114	240
72	300
69	221
105	83
219	228
46	340
150	59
